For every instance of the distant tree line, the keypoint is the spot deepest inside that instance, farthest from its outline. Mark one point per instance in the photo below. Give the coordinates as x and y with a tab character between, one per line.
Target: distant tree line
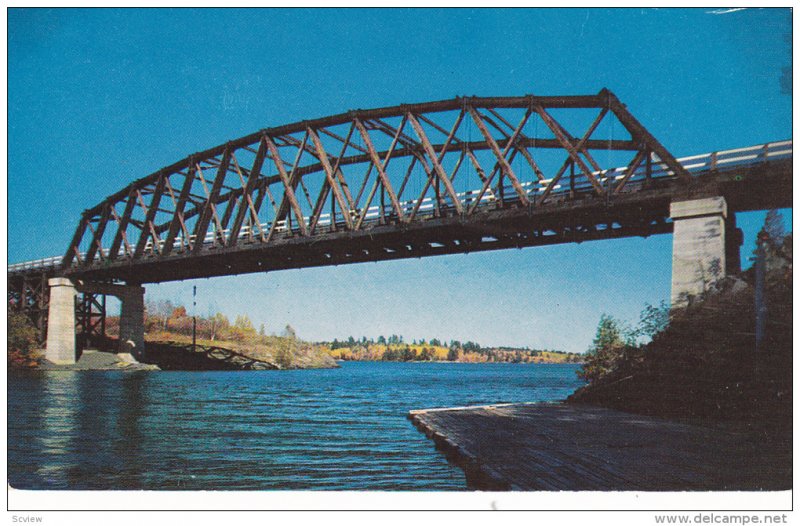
394	348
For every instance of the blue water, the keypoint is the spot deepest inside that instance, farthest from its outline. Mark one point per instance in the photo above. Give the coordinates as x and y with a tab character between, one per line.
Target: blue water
332	429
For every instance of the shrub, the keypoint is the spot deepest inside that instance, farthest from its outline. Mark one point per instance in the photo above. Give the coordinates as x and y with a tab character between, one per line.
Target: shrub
22	341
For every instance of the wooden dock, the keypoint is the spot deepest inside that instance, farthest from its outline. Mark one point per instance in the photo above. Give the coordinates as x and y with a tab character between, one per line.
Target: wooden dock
555	447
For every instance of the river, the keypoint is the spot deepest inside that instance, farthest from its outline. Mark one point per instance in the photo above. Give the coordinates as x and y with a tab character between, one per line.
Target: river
326	429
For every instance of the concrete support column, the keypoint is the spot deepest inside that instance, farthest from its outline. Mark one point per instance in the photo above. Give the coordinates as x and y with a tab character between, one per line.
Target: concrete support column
61	322
131	321
734	239
698	246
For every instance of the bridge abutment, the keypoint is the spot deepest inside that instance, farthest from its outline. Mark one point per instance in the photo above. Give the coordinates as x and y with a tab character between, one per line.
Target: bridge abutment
60	347
702	246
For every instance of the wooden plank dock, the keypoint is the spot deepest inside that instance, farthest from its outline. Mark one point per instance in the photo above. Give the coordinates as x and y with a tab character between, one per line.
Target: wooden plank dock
556	447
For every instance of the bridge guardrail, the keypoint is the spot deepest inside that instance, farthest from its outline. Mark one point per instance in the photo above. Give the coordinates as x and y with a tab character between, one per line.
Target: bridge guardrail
580	183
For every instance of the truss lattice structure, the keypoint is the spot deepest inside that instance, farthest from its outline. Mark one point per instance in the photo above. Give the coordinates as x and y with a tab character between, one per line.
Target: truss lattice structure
353	171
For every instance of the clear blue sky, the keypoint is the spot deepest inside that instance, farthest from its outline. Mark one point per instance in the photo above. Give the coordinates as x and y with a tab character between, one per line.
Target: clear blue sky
98	98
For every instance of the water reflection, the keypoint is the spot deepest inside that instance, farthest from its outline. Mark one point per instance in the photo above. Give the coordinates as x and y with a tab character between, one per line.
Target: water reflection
78	429
58	425
343	429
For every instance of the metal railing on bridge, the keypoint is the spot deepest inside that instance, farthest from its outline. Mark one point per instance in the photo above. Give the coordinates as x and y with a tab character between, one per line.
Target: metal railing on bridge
654	169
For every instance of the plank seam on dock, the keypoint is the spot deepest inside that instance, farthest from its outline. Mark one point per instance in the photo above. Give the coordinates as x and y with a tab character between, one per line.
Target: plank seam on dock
552	446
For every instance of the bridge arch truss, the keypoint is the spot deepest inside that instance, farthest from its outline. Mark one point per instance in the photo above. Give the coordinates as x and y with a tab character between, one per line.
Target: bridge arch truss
317	192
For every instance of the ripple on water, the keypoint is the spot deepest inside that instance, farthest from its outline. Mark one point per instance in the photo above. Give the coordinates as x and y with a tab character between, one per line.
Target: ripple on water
334	429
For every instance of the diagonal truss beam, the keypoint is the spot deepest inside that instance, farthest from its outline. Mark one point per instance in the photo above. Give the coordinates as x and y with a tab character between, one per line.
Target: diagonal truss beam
345	203
289	198
640	133
376	162
246	204
200	201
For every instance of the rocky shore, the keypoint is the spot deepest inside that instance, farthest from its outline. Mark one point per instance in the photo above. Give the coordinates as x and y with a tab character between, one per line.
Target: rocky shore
92	360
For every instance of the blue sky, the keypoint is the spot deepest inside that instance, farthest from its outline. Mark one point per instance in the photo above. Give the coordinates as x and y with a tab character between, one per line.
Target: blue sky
98	98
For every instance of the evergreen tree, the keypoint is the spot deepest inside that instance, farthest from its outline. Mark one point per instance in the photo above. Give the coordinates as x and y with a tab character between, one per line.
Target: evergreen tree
452	354
773	226
608	346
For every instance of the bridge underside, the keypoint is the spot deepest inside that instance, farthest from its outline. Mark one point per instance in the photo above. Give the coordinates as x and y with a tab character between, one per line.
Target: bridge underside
466	175
581	218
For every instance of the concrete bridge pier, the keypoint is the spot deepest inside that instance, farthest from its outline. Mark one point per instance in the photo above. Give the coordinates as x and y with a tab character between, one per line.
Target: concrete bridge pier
61	347
131	321
705	246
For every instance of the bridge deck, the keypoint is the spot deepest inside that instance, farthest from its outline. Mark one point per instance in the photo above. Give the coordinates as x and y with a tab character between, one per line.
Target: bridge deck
555	447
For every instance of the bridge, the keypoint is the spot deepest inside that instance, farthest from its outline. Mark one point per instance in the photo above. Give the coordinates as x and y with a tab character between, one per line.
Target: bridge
454	176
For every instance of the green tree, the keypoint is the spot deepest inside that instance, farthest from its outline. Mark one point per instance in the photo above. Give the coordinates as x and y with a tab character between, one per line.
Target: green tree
774	227
652	320
609	345
409	354
608	333
452	354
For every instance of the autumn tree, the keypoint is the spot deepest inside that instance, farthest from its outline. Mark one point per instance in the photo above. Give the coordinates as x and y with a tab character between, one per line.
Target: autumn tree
218	322
22	341
161	310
